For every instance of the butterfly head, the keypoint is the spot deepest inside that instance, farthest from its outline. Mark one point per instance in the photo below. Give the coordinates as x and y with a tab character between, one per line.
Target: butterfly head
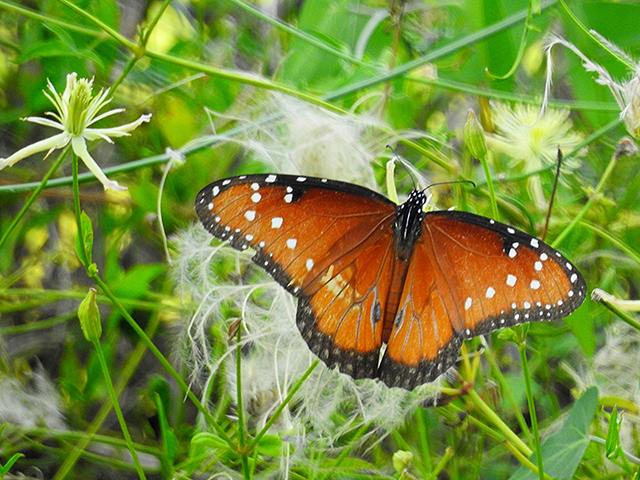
408	225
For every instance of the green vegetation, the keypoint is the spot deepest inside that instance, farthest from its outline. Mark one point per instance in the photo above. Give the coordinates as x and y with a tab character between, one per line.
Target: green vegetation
116	295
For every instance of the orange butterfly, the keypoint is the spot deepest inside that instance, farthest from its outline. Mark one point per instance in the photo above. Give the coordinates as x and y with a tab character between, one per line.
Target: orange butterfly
368	272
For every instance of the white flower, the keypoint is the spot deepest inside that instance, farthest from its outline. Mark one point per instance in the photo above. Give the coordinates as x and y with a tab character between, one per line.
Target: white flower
76	111
532	140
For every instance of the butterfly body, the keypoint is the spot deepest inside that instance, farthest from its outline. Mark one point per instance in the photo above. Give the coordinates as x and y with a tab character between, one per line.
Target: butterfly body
368	272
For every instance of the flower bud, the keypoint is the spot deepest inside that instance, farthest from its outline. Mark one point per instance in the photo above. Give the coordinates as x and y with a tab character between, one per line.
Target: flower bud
89	316
474	136
631	114
402	460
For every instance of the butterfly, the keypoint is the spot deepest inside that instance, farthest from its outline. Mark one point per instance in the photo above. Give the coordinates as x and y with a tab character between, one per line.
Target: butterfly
369	273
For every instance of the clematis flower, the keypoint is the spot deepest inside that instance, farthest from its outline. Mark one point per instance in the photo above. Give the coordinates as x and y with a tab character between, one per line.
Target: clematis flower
76	110
532	140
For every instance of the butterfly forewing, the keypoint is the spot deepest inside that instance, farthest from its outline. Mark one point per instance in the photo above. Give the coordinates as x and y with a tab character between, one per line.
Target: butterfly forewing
298	225
500	276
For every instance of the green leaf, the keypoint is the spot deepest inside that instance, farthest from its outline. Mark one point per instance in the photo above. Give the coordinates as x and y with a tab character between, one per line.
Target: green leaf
210	446
84	239
270	445
170	442
612	443
7	466
563	451
136	282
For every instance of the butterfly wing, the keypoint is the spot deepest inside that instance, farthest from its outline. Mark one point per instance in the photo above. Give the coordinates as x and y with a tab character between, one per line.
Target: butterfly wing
329	243
470	275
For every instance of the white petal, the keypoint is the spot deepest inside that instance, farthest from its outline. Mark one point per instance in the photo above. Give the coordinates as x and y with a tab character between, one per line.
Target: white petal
47	122
51	143
121	131
105	114
80	148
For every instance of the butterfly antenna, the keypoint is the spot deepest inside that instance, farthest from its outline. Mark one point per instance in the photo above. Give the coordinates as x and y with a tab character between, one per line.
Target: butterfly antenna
449	183
553	196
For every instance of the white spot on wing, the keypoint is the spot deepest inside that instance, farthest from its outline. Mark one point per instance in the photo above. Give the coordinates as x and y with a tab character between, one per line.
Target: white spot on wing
467	303
309	264
276	222
256	197
543	256
512	253
215	191
225	182
511	280
270	179
538	266
535	284
288	198
301	179
535	243
291	243
511	230
250	215
490	292
255	186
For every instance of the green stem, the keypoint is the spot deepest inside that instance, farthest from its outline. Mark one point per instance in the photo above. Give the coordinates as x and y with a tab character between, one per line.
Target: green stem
240	408
525	461
507	392
635	255
492	192
587	206
589	33
103	26
48	19
522	347
301	34
623	315
76	208
92	272
144	37
435	54
497	421
163	361
282	406
125	375
33	196
116	407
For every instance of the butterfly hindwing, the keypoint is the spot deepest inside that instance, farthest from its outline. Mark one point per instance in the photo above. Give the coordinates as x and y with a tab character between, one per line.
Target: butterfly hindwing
423	344
342	321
